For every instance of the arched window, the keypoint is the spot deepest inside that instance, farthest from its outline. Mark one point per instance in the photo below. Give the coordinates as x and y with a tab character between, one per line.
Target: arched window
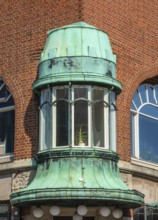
144	123
78	115
7	116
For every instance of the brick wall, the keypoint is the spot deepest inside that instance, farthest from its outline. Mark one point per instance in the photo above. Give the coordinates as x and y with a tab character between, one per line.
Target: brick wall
133	30
23	26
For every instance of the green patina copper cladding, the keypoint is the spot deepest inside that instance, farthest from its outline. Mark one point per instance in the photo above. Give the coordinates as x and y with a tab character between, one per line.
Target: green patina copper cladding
77	53
68	177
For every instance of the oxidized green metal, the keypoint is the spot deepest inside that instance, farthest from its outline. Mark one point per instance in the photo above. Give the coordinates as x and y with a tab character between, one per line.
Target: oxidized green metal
77	53
69	176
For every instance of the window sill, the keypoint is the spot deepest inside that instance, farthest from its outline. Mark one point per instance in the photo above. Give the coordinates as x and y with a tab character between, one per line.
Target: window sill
143	163
6	158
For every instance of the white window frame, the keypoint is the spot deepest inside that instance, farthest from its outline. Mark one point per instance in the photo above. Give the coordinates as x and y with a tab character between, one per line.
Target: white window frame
71	137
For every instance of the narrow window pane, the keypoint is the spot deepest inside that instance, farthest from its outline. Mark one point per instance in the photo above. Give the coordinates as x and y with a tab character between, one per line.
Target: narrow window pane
151	94
132	106
148	131
142	92
81	116
9	120
2	128
46	119
132	136
98	118
112	122
156	93
7	131
136	99
62	117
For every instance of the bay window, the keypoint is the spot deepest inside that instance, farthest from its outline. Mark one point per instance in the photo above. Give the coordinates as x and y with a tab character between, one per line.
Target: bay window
77	115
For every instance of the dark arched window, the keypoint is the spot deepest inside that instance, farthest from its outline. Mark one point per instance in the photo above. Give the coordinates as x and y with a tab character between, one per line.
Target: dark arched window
7	117
144	123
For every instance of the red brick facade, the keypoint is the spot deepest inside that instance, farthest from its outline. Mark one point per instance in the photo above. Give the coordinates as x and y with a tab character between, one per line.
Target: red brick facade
133	31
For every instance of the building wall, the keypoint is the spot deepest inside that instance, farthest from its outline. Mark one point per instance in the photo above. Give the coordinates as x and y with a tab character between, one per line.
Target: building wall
133	31
132	28
24	25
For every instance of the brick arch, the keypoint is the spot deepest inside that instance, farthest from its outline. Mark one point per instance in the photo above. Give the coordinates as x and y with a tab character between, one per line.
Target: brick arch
142	75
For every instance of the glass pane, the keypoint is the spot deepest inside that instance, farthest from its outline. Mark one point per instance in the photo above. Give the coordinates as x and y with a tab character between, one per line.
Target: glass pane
62	117
150	217
5	98
9	121
2	128
132	107
81	116
142	92
156	93
7	130
148	132
155	217
46	119
98	118
4	212
80	92
150	110
112	123
132	136
151	94
136	99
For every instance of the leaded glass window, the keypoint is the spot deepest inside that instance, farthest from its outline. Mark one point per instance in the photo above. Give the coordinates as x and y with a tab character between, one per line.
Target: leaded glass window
77	115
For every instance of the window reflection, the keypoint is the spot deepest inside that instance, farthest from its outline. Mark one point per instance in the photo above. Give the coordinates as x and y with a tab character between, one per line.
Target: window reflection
62	117
148	138
98	118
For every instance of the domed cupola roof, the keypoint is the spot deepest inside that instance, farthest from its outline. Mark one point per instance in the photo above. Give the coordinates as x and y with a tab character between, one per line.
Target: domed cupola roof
77	53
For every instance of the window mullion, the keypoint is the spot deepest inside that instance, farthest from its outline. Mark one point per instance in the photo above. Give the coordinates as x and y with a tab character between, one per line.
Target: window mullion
147	93
54	121
106	121
112	122
69	118
72	117
89	119
42	123
41	128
